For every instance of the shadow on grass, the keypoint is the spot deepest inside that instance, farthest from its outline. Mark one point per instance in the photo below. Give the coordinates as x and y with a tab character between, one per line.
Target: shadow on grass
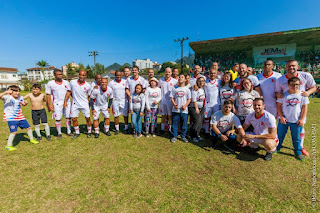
20	137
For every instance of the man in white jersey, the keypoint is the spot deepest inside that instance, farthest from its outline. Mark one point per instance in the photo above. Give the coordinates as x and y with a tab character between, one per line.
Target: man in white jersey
267	81
215	66
126	76
150	75
307	87
196	74
175	74
265	129
80	90
102	97
166	84
120	104
96	83
56	91
243	73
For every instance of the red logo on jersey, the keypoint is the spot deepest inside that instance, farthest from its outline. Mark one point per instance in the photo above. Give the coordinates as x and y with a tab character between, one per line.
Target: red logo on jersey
170	84
217	85
84	88
272	80
301	83
262	123
122	84
206	113
65	86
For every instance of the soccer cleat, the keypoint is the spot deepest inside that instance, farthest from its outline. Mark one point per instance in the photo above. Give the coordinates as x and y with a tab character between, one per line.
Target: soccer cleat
135	135
154	135
184	140
75	136
195	140
59	136
299	157
268	156
304	152
88	135
173	140
49	138
39	138
108	133
10	148
139	135
70	134
116	132
34	141
96	135
147	135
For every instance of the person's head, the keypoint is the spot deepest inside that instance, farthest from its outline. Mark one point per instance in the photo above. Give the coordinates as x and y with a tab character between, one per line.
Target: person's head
187	78
292	66
227	106
104	83
182	79
235	67
215	66
175	72
250	71
168	72
98	78
15	91
150	73
126	72
243	69
197	70
82	75
135	71
138	89
246	85
200	81
227	79
294	83
213	74
36	89
58	74
118	75
268	66
153	82
258	105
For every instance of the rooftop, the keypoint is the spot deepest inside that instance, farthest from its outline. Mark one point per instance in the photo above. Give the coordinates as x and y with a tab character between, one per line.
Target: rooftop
7	69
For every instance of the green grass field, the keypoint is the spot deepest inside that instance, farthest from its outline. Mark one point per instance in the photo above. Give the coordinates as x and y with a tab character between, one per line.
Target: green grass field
124	174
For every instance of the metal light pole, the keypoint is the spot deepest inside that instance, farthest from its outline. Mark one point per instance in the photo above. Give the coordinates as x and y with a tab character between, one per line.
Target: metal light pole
181	43
94	54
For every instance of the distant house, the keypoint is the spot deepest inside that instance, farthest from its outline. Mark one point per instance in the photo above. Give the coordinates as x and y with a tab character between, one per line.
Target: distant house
156	66
143	64
65	68
8	76
37	74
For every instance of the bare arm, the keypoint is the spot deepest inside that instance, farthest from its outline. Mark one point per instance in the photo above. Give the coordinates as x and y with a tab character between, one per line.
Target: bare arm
128	93
303	115
272	134
258	90
66	98
5	93
309	91
26	96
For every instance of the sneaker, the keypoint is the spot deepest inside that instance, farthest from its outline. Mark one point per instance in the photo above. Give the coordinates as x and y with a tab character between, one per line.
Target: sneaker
195	140
88	135
49	138
69	134
59	136
184	140
126	131
135	135
108	133
200	138
154	135
34	141
10	148
147	135
299	157
116	132
75	136
268	156
96	135
39	139
139	135
304	152
172	140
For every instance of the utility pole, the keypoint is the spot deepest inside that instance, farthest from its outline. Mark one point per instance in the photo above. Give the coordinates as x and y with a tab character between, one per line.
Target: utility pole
94	54
181	43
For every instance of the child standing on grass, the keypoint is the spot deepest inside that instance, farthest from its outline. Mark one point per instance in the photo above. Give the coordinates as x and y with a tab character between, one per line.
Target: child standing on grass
13	115
38	112
137	105
292	110
180	98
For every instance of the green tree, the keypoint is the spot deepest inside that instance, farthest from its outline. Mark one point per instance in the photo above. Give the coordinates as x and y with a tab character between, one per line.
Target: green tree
100	68
90	73
168	64
42	64
70	70
125	65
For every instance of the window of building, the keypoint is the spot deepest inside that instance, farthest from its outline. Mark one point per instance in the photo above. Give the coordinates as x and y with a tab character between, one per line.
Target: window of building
14	76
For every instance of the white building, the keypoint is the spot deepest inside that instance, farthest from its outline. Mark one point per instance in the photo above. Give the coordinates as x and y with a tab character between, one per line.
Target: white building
37	74
8	76
65	68
143	64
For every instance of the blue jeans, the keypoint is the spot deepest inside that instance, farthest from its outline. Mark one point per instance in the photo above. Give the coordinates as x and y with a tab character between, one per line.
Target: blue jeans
295	135
137	122
214	138
176	118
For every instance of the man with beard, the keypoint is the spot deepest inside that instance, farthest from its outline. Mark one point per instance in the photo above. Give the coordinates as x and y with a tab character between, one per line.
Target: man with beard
196	74
175	73
243	73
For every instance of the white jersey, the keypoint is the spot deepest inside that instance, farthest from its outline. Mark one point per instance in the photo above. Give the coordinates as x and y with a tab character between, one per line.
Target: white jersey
261	124
268	87
93	84
224	122
211	89
244	101
57	91
166	87
79	93
193	80
118	89
199	97
225	93
101	97
180	96
306	82
254	80
131	83
152	94
292	106
12	108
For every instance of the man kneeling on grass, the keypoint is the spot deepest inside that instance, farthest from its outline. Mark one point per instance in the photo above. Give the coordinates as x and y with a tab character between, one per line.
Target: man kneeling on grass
222	122
264	127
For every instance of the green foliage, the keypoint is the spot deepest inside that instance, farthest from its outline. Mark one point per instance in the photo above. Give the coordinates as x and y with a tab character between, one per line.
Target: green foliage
168	64
70	70
90	73
125	65
42	64
99	69
114	66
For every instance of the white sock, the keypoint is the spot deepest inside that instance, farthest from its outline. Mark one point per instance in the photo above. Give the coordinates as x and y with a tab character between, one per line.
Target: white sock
46	128
302	134
68	123
162	126
10	139
37	129
117	127
273	150
76	129
126	126
58	126
170	128
89	128
29	132
106	128
96	130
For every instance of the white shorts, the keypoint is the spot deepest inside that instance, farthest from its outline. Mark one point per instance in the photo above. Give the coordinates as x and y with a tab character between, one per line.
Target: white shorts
120	108
208	111
166	108
75	110
272	110
104	111
254	142
59	111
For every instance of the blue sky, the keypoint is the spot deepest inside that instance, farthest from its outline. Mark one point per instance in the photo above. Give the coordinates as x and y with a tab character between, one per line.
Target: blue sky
64	31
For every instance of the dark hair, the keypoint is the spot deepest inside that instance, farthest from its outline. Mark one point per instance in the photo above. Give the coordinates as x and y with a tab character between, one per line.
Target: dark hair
14	88
116	72
199	79
292	60
138	85
259	99
230	82
242	87
293	79
56	70
36	86
135	66
105	78
266	62
228	102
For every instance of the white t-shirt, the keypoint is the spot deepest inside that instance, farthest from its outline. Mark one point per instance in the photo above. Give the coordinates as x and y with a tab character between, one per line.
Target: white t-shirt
199	97
131	83
306	82
80	92
268	87
93	84
224	122
118	89
101	97
193	80
292	106
211	90
57	91
244	101
152	94
180	95
166	88
254	79
225	93
261	124
12	108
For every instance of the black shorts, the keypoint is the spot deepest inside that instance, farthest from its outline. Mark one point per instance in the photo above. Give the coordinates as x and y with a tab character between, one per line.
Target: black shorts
39	114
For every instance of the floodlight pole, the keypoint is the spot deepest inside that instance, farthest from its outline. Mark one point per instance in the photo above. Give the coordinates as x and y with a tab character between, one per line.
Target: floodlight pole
94	54
181	43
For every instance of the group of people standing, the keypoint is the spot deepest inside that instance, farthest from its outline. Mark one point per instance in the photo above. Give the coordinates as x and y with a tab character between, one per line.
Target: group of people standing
240	110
